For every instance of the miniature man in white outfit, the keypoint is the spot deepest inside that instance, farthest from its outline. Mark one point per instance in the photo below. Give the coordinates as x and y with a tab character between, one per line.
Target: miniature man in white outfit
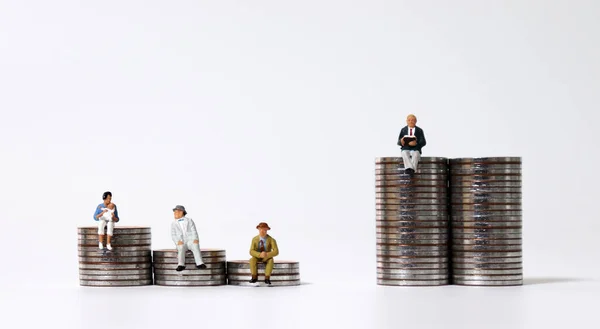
185	237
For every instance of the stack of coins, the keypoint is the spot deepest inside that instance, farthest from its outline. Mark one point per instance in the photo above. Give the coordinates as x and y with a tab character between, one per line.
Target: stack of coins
486	221
129	263
412	222
285	273
165	263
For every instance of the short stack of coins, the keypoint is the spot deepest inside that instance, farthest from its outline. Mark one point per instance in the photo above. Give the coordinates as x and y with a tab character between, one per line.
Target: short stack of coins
129	262
285	273
486	221
412	222
165	263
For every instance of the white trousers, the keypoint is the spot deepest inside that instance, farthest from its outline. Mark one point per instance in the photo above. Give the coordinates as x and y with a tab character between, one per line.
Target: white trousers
411	159
189	245
102	224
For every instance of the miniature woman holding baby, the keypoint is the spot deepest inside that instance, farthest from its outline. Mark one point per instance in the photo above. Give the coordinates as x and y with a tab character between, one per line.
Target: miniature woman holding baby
106	215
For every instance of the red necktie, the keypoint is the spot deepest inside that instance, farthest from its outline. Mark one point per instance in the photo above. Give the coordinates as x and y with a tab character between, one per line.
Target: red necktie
261	245
410	134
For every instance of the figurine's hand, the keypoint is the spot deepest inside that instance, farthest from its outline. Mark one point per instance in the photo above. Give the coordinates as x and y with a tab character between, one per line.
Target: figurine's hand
413	143
402	141
196	241
263	254
179	243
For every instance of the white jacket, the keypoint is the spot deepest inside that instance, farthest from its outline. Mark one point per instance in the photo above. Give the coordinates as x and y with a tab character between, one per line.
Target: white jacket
190	233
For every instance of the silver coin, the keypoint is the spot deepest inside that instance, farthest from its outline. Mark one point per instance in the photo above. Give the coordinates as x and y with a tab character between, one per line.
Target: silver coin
504	254
485	189
502	248
273	278
422	176
273	283
198	283
488	277
455	185
146	271
391	282
115	248
395	248
481	198
399	170
404	213
505	230
483	218
485	242
411	189
190	265
489	260
416	230
488	283
412	196
141	236
189	271
412	208
398	223
486	176
485	160
108	267
114	283
413	201
426	220
382	272
278	264
409	242
484	272
172	253
115	244
190	277
499	236
404	276
114	259
117	230
116	277
412	259
422	160
400	252
492	225
117	253
484	213
189	260
412	236
485	207
484	266
246	271
385	265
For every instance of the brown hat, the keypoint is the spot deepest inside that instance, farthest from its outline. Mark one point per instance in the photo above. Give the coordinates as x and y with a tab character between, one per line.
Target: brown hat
263	224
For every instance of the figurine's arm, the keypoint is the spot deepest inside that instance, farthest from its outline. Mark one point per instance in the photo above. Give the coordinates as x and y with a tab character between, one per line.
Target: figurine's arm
422	142
274	249
174	236
193	232
115	216
98	213
253	251
400	138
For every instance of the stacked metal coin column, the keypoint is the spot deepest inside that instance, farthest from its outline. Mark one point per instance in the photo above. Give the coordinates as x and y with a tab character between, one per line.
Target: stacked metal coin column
128	264
285	273
412	222
165	263
486	221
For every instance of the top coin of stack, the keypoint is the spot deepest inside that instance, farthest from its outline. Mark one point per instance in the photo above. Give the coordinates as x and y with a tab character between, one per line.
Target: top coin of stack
486	221
412	222
128	264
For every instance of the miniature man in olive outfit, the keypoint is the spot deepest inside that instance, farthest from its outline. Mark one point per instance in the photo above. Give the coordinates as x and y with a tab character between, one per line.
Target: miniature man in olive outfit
262	249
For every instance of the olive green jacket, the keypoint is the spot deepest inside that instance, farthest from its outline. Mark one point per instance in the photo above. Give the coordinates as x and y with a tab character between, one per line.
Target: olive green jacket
271	247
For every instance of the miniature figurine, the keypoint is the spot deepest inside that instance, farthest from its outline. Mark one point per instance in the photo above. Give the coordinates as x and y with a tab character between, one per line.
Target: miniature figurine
185	237
106	215
411	140
262	249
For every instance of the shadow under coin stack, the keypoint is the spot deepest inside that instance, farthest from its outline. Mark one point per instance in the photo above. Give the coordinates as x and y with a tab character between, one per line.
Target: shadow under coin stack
128	264
486	221
285	273
412	222
165	263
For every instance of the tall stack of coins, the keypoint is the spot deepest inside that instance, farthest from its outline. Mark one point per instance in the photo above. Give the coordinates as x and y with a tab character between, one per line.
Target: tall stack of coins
129	263
165	263
285	273
412	222
486	221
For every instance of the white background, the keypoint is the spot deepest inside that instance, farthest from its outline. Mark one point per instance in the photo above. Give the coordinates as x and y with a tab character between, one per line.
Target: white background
249	111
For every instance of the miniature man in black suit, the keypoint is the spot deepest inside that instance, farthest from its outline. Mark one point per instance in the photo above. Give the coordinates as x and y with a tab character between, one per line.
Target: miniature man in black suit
411	140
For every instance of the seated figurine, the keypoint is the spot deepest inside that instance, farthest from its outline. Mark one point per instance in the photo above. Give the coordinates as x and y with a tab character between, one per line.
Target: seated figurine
262	249
185	237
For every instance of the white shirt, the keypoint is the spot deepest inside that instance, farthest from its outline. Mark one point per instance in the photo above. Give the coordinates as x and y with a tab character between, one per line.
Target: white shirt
183	226
408	133
107	215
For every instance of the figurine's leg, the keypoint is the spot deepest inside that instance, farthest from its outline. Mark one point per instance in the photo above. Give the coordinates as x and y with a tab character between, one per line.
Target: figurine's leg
254	269
269	269
111	227
101	225
181	249
194	246
406	159
416	156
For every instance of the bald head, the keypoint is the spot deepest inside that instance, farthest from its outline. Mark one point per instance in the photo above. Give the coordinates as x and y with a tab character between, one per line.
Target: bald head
411	120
